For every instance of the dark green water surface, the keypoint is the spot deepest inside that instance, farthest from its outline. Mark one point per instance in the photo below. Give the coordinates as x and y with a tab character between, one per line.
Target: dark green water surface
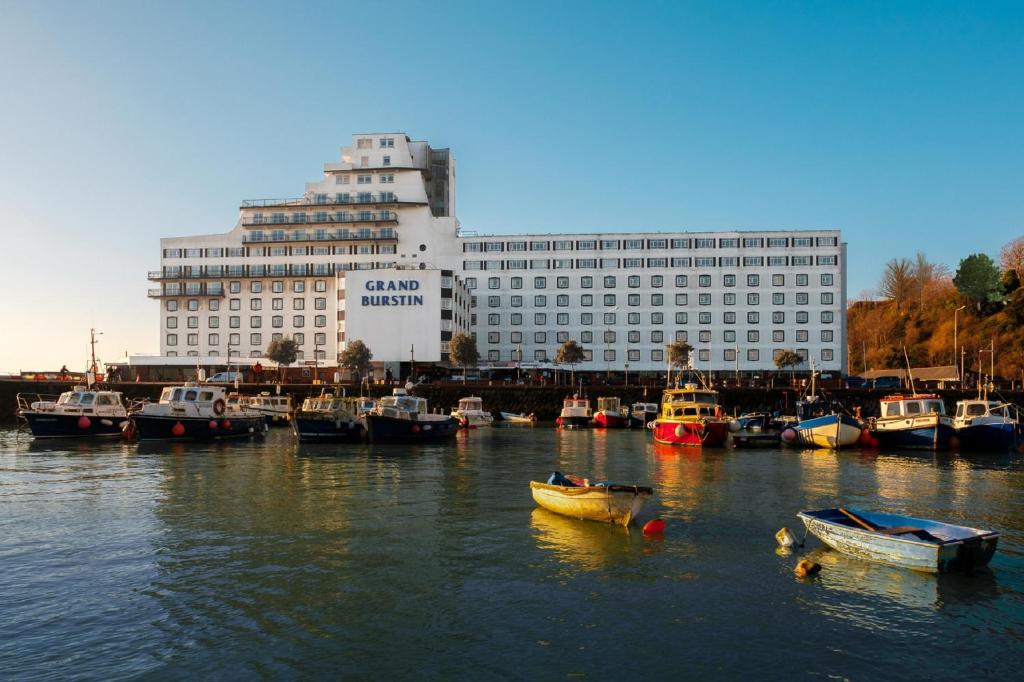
267	559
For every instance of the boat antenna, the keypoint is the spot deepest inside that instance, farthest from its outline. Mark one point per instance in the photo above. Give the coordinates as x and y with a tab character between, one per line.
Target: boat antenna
910	374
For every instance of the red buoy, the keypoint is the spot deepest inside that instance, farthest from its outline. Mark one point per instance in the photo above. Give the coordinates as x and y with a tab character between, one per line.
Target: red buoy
415	428
178	429
84	422
213	423
226	423
654	527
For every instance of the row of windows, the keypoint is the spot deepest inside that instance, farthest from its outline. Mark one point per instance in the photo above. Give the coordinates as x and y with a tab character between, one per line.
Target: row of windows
827	279
234	340
302	218
587	300
255	321
656	355
632	263
658	336
587	319
213	304
656	243
280	251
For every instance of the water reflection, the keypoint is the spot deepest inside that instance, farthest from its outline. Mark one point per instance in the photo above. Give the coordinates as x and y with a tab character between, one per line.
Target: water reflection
586	545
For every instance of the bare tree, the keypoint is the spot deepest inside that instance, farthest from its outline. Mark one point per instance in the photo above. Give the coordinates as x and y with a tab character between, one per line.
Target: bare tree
898	281
1012	257
926	274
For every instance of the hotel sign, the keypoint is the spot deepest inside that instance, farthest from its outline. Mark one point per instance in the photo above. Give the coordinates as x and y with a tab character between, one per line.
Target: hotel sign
392	299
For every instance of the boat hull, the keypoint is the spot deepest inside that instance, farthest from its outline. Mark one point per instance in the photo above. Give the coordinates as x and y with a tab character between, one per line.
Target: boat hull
55	425
611	504
831	431
311	430
915	436
151	427
639	420
989	437
606	420
707	433
573	422
382	429
960	549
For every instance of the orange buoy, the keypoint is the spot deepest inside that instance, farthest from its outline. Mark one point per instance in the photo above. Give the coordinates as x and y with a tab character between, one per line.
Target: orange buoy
178	429
654	527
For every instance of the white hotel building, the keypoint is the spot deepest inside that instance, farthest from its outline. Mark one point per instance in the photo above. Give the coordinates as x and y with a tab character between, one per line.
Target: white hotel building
373	251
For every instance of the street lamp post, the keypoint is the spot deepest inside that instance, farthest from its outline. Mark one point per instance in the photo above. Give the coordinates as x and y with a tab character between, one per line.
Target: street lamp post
316	361
627	367
959	377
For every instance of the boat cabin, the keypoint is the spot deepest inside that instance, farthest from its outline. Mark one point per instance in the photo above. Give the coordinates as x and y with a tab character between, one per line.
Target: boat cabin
576	403
471	404
401	405
331	403
689	401
649	408
612	405
191	393
81	400
911	405
968	410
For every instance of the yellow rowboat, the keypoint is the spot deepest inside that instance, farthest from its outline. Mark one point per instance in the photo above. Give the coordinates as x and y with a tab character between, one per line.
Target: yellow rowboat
611	503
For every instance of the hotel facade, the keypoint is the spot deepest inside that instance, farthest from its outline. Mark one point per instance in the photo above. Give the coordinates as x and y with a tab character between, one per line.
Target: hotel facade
373	251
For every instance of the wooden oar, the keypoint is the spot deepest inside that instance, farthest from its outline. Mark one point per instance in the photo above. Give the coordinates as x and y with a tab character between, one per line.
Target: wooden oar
863	523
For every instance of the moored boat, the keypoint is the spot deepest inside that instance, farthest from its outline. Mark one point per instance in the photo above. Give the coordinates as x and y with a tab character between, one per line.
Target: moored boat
610	414
193	412
401	417
276	409
917	421
78	413
917	544
518	418
607	502
755	430
820	425
983	424
470	412
642	414
691	416
331	418
575	413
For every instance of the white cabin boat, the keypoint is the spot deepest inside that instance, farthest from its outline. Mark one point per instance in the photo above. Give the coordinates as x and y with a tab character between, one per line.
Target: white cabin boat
470	412
193	412
575	412
276	409
80	412
983	424
913	421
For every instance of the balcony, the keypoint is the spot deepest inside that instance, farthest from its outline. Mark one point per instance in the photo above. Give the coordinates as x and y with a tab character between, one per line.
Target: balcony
172	290
207	272
361	217
327	201
386	234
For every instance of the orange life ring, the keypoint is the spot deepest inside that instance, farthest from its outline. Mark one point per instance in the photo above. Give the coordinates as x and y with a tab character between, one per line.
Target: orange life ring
218	406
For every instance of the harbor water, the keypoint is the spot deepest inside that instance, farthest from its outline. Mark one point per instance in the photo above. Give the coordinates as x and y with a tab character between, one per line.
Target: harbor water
267	559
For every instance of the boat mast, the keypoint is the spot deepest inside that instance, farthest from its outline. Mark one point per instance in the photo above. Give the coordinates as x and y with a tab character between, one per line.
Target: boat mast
92	352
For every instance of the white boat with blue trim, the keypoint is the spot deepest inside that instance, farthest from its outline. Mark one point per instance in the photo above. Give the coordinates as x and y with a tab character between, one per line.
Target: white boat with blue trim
987	425
906	541
917	421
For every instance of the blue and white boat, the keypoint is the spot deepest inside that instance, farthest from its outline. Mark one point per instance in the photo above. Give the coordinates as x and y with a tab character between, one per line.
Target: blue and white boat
819	425
331	418
983	424
917	421
78	413
402	418
917	544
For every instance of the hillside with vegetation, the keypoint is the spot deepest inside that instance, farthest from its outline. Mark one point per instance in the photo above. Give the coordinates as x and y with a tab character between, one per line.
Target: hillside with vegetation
915	306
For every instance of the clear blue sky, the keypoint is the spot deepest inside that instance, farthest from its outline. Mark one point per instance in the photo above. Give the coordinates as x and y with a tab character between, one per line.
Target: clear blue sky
899	123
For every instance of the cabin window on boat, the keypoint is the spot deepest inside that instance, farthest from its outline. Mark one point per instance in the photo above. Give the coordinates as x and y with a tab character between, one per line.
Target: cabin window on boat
206	395
892	410
935	406
913	408
176	396
190	395
73	399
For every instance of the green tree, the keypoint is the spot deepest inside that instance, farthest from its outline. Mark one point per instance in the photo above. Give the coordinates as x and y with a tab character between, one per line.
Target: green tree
788	358
678	356
356	356
570	353
283	351
978	279
463	352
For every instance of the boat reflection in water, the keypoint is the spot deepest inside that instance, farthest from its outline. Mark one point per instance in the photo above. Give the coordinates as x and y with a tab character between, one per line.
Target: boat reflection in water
581	544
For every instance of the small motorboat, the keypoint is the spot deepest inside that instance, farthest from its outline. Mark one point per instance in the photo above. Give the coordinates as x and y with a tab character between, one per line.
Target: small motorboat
471	414
692	417
80	412
917	544
573	497
402	418
610	414
984	424
913	421
193	412
276	409
821	423
330	418
575	413
756	430
642	414
518	418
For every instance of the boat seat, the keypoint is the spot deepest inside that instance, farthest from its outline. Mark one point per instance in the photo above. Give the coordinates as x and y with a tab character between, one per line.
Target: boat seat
920	533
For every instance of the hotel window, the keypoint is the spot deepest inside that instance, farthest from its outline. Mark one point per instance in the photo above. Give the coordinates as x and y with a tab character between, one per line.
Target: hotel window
234	287
632	262
753	318
538	246
235	304
192	304
540	337
516	301
255	340
657	281
234	321
319	339
562	301
827	241
681	335
172	339
540	282
540	318
563	245
387	160
234	340
364	179
516	337
753	355
609	299
826	354
493	337
657	336
778	242
387	180
775	261
826	335
609	243
802	317
826	298
633	299
540	355
517	246
728	243
255	304
471	282
704	336
682	318
516	319
587	282
802	242
633	318
704	243
193	322
681	280
587	318
493	282
562	337
727	318
213	340
299	339
537	264
387	143
801	335
586	337
298	321
826	279
562	319
753	261
704	281
586	264
320	321
704	355
277	304
298	287
681	262
540	301
657	262
298	304
704	299
657	299
277	321
729	336
705	262
562	282
752	242
493	246
800	260
494	301
320	303
729	355
729	262
657	243
753	280
705	318
657	355
778	298
586	245
802	298
213	322
680	243
778	317
827	260
827	316
753	335
172	323
633	244
609	318
277	286
256	287
255	322
471	247
171	306
609	282
494	319
729	280
633	281
657	318
753	299
778	335
517	282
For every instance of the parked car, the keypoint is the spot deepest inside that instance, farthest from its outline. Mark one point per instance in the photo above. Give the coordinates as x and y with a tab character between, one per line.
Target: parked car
854	382
225	378
887	382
